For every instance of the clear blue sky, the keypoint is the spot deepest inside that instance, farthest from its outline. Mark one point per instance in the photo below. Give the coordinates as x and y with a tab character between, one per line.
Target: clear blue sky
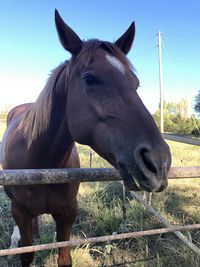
29	47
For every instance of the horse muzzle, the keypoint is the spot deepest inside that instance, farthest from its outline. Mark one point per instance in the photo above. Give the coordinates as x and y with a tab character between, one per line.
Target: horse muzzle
148	170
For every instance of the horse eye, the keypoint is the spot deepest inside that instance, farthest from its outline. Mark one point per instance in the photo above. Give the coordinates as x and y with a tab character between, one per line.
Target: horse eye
90	79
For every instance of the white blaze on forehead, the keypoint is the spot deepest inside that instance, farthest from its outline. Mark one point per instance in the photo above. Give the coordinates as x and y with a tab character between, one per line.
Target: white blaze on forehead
116	63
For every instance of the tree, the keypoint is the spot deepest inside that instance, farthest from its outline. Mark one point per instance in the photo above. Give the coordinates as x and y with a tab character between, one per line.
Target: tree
183	107
171	107
176	117
183	125
197	103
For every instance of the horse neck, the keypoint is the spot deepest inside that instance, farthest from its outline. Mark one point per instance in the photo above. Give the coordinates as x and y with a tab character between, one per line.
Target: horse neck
55	143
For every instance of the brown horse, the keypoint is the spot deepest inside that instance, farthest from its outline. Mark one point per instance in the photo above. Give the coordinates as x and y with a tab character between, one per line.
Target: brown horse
91	99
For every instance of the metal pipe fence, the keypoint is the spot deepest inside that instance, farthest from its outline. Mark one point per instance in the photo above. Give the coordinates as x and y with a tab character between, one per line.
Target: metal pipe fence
59	176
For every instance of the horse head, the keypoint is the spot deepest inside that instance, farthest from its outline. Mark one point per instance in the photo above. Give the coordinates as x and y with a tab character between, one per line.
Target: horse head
105	112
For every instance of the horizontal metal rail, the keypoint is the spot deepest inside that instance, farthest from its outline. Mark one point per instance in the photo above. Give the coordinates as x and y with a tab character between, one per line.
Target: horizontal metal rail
13	251
59	176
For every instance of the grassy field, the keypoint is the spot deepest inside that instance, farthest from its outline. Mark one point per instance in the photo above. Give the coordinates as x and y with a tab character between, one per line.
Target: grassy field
101	213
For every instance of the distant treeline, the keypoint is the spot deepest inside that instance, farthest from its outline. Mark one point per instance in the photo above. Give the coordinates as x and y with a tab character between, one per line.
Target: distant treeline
177	118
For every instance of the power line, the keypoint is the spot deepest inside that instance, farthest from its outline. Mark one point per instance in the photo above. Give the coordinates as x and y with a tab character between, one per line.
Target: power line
172	66
145	51
145	40
184	36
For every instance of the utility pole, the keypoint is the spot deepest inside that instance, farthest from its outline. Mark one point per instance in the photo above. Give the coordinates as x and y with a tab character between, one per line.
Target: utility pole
160	82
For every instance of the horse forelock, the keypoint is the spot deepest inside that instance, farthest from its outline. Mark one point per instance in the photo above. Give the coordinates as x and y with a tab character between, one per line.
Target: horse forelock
35	120
90	47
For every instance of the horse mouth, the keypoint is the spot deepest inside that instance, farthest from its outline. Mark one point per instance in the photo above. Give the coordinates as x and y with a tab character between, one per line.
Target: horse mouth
138	181
130	182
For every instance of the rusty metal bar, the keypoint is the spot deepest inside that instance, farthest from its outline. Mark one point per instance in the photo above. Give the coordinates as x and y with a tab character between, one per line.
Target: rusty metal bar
79	242
55	176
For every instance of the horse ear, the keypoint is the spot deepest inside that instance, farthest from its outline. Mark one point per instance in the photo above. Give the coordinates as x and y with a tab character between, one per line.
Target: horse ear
126	40
68	38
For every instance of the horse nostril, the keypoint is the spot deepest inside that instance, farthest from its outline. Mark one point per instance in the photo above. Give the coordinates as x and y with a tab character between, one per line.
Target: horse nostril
144	160
148	161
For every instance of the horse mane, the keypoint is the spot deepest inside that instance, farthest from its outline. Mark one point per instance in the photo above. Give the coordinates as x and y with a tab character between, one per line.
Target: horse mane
36	119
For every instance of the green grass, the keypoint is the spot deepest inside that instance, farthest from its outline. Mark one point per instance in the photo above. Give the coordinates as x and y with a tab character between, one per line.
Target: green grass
101	213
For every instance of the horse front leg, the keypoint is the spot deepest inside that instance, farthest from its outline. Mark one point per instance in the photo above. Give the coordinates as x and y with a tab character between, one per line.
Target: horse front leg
36	222
15	237
24	222
64	223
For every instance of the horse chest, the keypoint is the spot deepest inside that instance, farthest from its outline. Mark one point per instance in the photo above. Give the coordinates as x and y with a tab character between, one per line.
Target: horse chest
41	199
